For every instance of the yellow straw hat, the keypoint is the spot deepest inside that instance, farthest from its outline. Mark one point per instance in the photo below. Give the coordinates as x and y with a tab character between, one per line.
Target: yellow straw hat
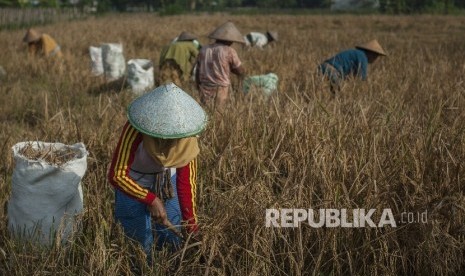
32	35
227	32
273	34
372	46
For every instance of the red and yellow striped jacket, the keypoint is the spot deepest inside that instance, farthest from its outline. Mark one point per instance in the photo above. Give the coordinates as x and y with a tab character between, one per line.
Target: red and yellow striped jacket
118	175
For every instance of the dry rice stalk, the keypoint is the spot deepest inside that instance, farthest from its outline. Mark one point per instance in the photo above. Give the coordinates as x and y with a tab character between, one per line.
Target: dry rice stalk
48	153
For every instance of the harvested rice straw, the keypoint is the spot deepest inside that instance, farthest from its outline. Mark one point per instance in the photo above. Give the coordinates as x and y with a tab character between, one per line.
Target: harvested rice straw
48	153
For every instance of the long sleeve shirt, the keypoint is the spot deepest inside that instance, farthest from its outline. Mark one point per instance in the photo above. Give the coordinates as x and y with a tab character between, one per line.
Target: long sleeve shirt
48	47
184	53
215	63
256	39
131	155
350	62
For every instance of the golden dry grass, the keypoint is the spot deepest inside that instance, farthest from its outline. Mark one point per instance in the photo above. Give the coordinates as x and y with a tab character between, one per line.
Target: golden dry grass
48	153
396	141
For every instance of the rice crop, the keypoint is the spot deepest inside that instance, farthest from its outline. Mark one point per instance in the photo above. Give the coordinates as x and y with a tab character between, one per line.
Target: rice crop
395	141
48	153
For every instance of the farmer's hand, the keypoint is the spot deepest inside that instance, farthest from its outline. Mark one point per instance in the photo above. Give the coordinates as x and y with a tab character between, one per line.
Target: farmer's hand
158	212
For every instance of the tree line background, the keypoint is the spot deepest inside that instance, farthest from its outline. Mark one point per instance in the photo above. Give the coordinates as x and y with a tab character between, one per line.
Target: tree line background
179	6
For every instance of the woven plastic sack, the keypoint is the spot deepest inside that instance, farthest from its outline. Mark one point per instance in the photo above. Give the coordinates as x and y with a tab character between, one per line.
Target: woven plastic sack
268	83
96	60
114	64
140	75
45	197
2	72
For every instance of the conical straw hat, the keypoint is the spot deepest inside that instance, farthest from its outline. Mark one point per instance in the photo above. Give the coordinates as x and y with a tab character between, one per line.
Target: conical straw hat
274	35
31	36
227	32
167	112
372	46
185	36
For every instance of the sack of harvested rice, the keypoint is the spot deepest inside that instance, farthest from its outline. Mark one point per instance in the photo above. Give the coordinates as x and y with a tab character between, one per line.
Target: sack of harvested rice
268	83
114	64
46	193
96	60
2	72
140	75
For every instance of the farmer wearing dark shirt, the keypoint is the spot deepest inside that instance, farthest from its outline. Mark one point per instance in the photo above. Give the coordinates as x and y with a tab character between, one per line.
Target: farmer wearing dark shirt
352	62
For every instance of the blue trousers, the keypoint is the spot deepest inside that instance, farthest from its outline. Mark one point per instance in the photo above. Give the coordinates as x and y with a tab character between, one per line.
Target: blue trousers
334	76
137	223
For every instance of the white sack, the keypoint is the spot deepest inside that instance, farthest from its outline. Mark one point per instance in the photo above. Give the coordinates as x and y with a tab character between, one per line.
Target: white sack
45	198
96	60
114	64
140	75
268	83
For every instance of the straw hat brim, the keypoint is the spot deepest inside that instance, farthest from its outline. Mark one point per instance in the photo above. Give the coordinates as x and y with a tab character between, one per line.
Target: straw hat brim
227	32
167	112
372	46
32	36
186	36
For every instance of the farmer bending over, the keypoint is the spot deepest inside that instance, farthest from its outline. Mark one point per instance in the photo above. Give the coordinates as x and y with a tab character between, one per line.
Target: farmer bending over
215	63
177	59
41	44
352	62
154	167
260	40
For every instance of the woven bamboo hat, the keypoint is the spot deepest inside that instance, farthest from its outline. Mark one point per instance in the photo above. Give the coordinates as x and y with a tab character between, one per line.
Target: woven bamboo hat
186	36
273	35
167	112
227	32
372	46
32	35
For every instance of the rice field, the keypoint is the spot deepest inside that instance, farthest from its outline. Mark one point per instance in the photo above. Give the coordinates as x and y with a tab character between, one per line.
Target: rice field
395	141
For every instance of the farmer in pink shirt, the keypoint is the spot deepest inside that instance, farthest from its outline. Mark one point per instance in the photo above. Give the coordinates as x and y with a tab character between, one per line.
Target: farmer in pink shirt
215	62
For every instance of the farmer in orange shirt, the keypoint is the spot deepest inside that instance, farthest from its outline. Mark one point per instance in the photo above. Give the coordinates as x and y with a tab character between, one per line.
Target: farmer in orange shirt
42	44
